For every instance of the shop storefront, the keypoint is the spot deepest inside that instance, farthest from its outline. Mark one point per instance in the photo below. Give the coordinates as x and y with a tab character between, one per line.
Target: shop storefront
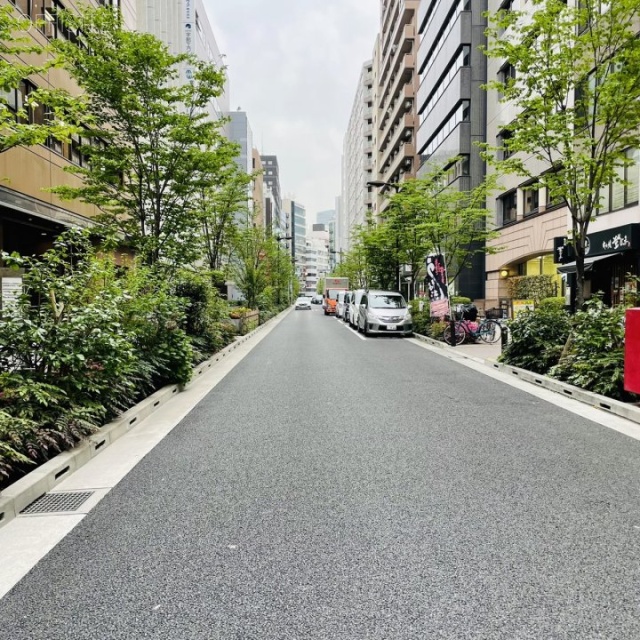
611	255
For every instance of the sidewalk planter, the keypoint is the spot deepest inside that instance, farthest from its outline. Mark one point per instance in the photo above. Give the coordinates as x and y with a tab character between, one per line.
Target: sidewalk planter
246	322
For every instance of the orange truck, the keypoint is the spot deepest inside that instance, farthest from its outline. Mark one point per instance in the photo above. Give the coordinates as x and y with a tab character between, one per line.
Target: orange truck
332	286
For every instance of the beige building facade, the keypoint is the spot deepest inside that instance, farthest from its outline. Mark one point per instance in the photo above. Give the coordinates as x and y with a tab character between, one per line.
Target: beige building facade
30	216
532	228
396	85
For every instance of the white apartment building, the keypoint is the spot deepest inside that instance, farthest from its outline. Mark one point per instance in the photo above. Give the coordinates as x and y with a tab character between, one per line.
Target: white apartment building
357	160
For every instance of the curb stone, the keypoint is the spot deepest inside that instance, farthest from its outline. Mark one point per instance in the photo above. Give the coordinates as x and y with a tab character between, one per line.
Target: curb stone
20	494
615	407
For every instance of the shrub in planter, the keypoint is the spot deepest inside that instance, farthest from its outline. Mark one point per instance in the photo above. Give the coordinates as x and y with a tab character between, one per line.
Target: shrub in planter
156	319
595	359
421	319
537	339
436	330
555	303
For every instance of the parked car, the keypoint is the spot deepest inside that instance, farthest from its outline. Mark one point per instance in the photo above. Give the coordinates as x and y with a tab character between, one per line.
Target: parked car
347	302
384	312
303	304
354	305
340	304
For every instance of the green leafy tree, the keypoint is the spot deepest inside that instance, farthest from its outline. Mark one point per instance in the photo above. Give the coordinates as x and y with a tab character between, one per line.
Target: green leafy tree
45	113
576	91
154	144
428	216
249	264
220	205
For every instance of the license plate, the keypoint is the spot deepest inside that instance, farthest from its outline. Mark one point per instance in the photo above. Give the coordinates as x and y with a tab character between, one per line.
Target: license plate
392	327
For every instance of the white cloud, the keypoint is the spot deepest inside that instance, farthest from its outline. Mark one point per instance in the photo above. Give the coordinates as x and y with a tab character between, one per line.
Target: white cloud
293	66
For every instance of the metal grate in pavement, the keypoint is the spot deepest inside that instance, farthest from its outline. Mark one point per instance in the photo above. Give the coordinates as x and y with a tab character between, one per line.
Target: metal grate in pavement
56	502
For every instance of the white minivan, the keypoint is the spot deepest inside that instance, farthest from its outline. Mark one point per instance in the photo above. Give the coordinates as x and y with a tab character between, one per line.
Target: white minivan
354	306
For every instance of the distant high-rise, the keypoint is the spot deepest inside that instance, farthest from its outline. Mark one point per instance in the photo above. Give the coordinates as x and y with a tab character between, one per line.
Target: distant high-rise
272	183
357	158
183	25
325	217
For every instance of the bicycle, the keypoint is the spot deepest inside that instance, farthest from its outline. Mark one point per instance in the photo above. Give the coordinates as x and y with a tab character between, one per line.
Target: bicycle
488	331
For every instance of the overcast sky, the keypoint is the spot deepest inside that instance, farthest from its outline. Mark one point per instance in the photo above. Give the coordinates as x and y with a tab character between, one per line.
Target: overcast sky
293	66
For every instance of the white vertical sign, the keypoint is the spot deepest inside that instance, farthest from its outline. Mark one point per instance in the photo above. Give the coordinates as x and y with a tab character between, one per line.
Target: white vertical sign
189	34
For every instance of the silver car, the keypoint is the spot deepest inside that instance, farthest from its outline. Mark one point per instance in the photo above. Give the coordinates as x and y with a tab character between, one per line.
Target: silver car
384	312
303	304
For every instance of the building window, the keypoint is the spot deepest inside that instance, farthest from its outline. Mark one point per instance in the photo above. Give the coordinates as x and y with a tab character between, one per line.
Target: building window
622	194
531	199
462	59
503	143
460	114
23	5
508	207
507	75
458	169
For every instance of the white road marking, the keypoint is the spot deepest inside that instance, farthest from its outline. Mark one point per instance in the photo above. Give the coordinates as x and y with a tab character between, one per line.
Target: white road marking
355	333
610	421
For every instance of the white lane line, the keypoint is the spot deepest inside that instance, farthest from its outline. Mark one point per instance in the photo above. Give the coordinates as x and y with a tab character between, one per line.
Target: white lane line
355	333
610	421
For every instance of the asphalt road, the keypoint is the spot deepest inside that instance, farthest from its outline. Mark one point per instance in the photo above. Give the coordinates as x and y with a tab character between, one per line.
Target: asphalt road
337	488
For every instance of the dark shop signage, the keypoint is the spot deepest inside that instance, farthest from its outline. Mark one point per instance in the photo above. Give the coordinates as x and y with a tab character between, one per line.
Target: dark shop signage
625	238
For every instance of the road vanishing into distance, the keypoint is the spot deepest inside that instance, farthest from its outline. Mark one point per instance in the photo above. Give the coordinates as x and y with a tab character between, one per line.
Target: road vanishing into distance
339	488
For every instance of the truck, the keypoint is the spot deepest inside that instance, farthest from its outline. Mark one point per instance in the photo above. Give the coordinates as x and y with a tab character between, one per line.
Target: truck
330	294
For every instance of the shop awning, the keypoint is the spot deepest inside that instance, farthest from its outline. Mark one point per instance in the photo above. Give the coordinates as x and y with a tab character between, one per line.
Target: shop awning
570	267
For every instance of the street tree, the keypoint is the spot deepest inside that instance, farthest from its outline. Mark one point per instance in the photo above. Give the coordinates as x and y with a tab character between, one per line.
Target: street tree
428	216
152	144
573	81
29	114
221	206
250	265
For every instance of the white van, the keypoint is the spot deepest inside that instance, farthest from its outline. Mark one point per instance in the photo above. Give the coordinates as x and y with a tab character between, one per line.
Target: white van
340	304
354	306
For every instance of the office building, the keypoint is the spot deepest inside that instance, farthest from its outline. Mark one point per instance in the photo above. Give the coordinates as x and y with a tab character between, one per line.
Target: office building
451	102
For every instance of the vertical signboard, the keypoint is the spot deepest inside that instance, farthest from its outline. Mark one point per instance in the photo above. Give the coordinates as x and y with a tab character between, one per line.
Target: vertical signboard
437	286
189	35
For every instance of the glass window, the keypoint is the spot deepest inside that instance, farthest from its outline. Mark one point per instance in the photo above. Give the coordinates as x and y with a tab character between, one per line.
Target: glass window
531	198
509	206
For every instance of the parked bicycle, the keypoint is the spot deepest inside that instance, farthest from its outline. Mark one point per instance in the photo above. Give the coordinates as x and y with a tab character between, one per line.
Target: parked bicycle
467	330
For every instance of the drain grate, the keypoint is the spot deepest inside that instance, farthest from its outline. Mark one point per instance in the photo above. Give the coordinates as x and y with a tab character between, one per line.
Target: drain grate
56	502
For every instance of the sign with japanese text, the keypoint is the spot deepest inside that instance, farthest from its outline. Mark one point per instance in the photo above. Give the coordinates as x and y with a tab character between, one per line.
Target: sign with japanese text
437	286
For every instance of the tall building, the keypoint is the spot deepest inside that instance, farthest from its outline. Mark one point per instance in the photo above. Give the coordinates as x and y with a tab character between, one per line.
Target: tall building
30	215
272	183
394	102
183	25
317	256
297	229
357	159
259	196
451	101
325	217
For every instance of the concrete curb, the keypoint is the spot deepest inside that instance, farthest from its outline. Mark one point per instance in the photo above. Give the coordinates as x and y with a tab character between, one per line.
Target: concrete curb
38	482
621	409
